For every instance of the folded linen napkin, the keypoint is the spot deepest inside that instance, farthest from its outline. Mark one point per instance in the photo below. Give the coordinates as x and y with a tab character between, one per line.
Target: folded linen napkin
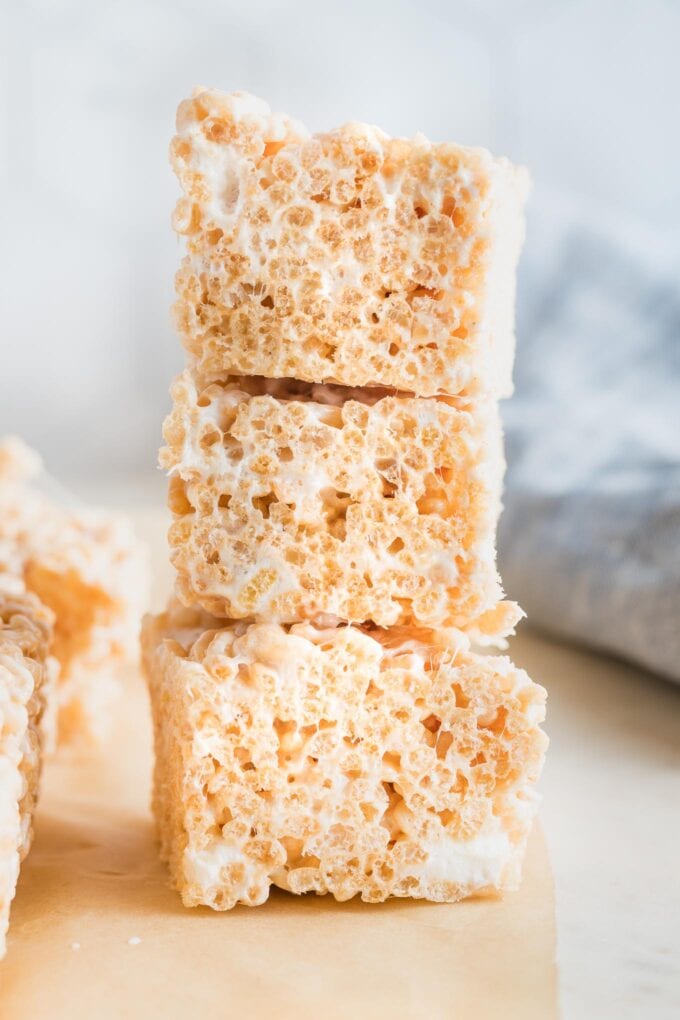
590	537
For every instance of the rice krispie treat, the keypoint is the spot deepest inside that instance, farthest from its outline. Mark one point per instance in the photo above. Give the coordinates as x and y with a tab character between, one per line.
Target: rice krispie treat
347	257
372	763
25	635
89	569
294	499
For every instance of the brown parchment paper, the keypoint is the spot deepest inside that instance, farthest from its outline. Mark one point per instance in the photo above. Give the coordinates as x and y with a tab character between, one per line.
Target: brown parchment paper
93	881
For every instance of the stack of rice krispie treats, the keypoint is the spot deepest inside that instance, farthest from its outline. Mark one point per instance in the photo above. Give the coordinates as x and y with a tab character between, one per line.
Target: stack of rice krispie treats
326	716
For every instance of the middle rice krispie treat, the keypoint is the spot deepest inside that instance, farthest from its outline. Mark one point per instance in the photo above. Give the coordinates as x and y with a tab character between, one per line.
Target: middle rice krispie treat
337	760
292	500
25	669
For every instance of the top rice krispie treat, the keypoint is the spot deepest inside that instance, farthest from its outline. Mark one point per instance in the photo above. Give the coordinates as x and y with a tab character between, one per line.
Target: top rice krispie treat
346	257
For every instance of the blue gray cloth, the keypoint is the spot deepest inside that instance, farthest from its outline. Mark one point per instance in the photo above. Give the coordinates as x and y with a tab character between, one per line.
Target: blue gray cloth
590	537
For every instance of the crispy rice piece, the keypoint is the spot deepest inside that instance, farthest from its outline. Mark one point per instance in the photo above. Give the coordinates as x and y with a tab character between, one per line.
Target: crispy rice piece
382	763
89	569
25	636
345	257
294	499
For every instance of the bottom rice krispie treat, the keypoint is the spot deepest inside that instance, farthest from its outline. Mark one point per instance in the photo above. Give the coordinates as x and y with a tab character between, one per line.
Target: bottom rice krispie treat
89	569
378	763
25	635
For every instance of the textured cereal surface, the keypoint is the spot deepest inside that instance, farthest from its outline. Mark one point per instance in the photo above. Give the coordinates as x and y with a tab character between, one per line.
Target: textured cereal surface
294	499
345	257
382	763
25	635
89	569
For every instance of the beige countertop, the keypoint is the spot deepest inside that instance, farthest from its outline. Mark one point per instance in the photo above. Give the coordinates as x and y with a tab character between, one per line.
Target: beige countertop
611	815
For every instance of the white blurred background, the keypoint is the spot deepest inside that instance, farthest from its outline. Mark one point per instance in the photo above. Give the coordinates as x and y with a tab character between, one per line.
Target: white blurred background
584	92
